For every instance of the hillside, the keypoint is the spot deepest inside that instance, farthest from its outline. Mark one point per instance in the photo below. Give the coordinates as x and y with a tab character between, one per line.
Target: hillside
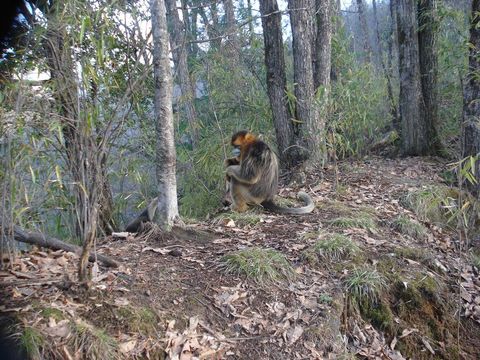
376	271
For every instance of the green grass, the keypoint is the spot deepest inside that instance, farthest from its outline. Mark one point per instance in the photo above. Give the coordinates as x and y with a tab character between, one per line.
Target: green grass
333	247
364	286
32	341
52	313
93	343
362	221
406	226
261	265
138	320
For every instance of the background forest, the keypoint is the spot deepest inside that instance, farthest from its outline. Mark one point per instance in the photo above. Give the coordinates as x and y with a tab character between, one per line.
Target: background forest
92	59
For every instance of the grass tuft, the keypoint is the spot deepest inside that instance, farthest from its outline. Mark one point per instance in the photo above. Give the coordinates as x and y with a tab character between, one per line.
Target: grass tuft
475	260
32	341
262	265
362	221
93	343
406	226
364	286
333	247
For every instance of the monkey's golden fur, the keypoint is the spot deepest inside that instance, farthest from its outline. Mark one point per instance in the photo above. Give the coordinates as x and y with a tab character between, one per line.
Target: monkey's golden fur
254	181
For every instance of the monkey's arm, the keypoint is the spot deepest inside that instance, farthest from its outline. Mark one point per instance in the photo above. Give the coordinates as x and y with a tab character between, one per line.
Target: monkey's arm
235	172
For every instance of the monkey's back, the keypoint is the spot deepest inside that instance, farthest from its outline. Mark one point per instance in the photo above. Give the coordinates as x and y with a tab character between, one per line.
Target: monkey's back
261	161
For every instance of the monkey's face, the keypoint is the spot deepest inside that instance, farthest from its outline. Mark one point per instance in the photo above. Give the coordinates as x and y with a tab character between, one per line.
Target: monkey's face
240	141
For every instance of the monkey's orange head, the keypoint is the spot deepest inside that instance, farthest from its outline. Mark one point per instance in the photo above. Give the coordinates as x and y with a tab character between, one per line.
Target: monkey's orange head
241	141
243	138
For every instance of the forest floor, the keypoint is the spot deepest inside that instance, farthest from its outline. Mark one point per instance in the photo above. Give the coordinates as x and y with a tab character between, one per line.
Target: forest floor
400	287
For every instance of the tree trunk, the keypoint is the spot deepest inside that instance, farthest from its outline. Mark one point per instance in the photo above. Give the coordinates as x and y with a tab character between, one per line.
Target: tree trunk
179	52
471	107
309	128
386	72
392	46
362	17
231	30
251	30
276	78
323	44
338	24
411	104
427	34
167	208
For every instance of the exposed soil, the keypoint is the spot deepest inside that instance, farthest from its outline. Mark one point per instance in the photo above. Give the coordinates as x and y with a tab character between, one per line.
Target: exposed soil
171	298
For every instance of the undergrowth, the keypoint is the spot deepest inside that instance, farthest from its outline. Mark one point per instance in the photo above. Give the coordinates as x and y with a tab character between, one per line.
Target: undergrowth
261	265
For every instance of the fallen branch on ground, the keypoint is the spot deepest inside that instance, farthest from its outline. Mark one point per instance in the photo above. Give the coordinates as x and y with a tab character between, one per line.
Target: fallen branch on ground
42	240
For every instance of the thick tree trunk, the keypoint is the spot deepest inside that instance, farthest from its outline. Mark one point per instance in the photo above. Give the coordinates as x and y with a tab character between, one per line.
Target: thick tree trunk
323	44
179	51
471	107
427	34
167	208
309	127
362	17
386	72
411	103
276	78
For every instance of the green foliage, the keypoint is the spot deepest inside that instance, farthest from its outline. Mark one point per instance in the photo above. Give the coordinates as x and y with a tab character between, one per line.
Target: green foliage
444	206
32	341
359	109
261	265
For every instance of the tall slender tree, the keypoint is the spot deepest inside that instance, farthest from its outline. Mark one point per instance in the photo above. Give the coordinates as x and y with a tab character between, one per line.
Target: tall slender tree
362	17
323	44
178	44
471	107
386	72
167	205
276	78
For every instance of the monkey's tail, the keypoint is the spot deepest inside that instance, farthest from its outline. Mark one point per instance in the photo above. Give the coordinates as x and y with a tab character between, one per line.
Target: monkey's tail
308	208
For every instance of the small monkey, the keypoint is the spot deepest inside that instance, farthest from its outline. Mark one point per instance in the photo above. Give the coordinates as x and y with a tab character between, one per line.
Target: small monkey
254	180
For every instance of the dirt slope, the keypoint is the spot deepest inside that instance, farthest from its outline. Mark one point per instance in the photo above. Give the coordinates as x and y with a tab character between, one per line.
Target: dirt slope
172	297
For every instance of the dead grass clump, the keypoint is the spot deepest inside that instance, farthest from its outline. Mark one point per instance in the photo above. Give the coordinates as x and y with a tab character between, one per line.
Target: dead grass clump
361	220
261	265
444	206
332	247
406	226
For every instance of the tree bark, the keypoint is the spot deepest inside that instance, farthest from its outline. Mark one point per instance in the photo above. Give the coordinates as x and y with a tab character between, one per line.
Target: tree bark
411	103
167	208
276	78
427	35
392	46
179	51
231	30
323	44
362	17
308	131
386	72
471	107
